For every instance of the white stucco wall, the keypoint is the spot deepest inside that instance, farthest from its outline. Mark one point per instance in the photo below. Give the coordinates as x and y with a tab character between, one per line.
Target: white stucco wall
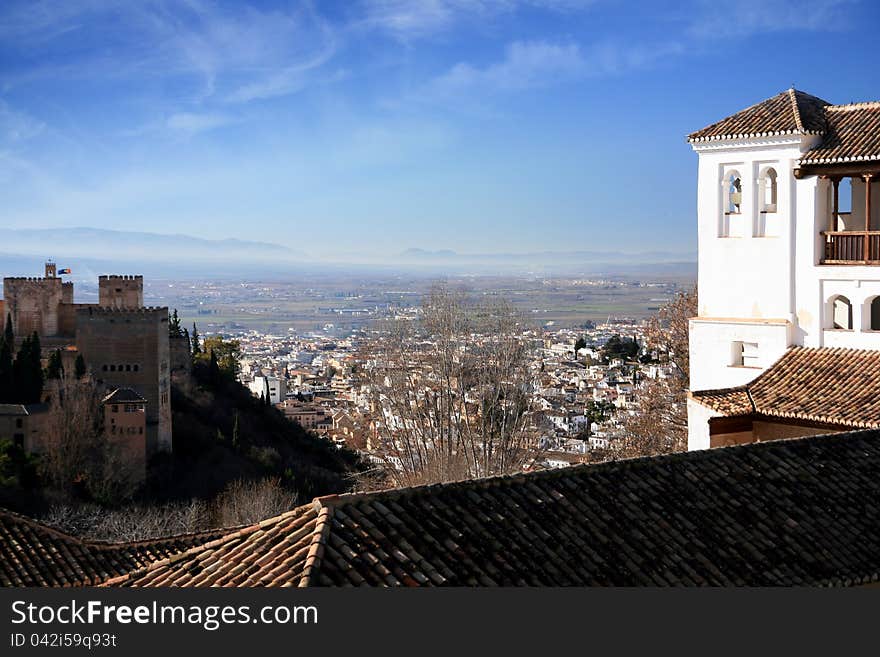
745	271
712	365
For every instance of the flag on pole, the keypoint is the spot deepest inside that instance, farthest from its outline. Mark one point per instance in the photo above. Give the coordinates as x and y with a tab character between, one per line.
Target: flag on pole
64	271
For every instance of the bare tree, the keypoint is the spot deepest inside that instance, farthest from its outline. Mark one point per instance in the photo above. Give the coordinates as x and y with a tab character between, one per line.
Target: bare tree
245	502
240	503
659	426
133	522
71	433
451	392
76	451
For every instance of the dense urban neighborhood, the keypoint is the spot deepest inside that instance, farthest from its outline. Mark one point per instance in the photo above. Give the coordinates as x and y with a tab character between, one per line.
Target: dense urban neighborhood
583	382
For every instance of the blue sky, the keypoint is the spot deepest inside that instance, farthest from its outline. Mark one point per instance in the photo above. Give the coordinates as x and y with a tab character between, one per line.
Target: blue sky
360	128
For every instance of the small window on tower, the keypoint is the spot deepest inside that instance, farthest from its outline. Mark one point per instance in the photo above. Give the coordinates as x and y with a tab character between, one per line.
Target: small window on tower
744	354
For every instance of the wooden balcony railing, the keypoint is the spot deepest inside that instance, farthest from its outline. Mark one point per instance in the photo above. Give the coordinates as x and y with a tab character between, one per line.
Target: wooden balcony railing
852	247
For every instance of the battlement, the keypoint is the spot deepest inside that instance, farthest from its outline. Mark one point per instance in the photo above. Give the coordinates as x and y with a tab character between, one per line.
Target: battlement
109	310
120	277
32	279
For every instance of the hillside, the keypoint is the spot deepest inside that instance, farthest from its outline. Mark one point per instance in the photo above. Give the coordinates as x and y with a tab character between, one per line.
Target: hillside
222	433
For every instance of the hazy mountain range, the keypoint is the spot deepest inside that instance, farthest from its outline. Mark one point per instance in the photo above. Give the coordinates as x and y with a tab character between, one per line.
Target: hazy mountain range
102	243
91	250
546	257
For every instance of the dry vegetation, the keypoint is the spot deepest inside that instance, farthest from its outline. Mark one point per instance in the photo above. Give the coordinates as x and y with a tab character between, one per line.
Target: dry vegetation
660	426
451	392
241	503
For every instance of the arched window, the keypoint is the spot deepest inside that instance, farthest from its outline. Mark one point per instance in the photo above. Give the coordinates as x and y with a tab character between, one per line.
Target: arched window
874	314
769	190
841	313
733	193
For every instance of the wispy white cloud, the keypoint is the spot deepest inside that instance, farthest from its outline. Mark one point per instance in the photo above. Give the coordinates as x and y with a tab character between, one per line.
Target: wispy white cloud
227	49
531	64
413	19
16	126
191	123
749	17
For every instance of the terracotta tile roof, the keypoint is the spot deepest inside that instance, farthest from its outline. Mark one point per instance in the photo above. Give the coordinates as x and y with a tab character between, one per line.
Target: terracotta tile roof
788	512
122	396
34	554
788	113
852	135
727	401
275	552
833	386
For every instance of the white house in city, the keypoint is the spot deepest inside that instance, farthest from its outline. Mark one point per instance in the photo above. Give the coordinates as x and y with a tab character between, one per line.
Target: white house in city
272	388
789	272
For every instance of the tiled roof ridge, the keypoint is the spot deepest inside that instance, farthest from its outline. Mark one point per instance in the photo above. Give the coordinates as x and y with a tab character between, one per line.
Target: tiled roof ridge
319	541
42	526
144	542
110	545
751	400
715	391
342	499
796	110
794	97
865	104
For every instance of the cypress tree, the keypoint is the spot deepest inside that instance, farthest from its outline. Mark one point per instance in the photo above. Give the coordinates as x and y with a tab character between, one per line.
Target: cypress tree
28	384
8	334
79	366
54	369
196	349
174	325
35	367
214	369
7	380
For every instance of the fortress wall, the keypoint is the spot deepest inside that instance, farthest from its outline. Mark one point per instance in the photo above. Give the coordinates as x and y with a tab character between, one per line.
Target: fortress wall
121	291
129	348
180	354
33	304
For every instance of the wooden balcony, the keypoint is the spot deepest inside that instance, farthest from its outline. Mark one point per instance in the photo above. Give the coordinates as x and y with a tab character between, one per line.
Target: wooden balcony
852	247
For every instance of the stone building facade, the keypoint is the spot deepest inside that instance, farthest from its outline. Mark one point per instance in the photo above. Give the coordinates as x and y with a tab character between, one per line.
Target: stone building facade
128	348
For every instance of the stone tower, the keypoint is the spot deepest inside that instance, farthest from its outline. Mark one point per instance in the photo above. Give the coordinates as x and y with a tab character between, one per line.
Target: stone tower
128	348
121	291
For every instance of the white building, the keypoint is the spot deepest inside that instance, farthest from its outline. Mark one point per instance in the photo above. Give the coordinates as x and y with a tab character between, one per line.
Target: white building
271	387
789	255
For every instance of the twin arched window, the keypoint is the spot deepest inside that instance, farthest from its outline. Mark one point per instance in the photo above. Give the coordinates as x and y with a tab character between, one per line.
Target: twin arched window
840	310
841	313
733	193
768	189
874	314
